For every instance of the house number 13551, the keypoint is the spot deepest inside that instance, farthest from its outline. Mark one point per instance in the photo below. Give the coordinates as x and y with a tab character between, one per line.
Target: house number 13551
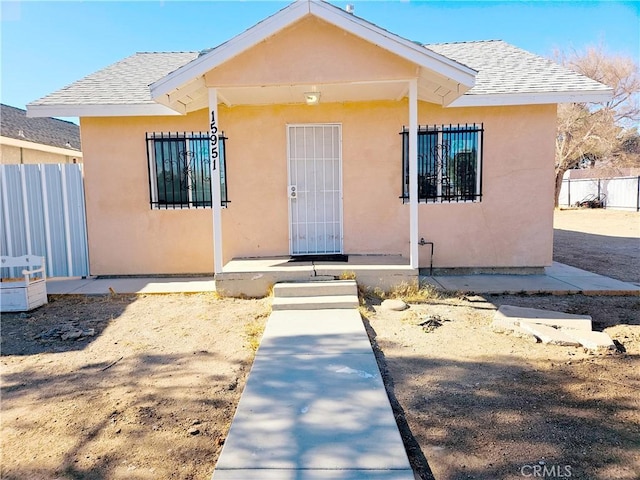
213	140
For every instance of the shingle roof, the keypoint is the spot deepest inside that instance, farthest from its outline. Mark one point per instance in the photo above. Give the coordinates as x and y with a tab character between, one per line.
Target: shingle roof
503	69
14	123
123	83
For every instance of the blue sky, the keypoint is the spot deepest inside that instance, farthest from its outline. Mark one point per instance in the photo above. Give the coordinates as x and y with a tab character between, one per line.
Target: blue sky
49	44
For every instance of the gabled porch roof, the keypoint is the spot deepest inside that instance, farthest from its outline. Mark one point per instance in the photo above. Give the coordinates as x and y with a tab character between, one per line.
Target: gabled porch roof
441	80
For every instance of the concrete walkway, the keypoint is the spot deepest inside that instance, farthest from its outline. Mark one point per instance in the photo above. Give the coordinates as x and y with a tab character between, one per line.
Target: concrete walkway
314	406
558	279
102	286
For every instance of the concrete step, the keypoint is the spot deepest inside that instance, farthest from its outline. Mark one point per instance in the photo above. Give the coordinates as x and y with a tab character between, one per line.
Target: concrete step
315	302
315	289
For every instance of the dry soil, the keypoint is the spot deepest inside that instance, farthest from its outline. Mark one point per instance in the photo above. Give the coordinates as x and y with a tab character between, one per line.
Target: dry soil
149	388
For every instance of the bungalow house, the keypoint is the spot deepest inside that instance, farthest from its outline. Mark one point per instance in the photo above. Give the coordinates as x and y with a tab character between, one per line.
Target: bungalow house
317	132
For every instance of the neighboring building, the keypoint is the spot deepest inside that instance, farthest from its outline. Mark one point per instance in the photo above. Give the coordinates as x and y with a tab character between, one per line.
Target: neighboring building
319	109
37	140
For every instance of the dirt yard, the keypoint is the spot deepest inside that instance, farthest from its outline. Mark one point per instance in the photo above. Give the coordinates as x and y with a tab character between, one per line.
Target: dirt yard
602	241
475	404
145	387
150	395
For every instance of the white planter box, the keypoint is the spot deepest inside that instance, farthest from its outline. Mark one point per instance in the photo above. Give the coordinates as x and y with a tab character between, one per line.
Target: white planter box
18	297
25	293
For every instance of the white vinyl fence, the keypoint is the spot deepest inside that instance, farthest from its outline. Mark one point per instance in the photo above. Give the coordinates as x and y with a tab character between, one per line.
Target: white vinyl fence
43	213
620	193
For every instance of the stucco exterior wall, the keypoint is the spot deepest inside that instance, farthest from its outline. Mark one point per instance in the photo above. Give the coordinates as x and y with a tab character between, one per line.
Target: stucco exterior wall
310	51
513	224
511	227
126	236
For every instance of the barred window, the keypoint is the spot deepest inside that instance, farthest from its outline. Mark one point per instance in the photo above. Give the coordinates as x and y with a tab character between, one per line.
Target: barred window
180	170
449	163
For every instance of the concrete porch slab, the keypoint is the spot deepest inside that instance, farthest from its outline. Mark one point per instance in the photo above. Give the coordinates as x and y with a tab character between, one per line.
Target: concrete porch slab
254	277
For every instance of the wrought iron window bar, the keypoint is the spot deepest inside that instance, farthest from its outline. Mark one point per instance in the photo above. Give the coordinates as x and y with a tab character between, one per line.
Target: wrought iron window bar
180	170
449	163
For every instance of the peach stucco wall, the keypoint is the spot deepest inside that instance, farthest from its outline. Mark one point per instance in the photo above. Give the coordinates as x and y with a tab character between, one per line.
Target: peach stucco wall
513	224
125	235
511	227
310	51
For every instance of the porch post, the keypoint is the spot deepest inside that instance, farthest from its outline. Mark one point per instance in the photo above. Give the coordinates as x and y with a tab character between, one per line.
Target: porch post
413	172
214	154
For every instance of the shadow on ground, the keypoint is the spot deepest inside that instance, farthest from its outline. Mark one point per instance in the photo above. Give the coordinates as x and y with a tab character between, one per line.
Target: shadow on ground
101	446
150	395
615	257
66	323
490	419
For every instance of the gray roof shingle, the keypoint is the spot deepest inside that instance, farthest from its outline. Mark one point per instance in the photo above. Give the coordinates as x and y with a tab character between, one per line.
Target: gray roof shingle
46	131
123	83
504	69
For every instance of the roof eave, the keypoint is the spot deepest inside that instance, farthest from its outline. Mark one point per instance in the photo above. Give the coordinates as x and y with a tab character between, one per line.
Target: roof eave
99	110
531	98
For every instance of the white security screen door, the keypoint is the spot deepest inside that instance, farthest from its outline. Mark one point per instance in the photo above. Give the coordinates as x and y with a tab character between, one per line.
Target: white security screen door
315	189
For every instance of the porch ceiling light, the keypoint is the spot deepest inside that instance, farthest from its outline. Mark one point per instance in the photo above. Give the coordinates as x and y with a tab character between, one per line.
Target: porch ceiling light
312	98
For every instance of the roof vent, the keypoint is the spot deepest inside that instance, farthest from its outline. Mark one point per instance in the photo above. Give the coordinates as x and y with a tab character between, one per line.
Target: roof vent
21	134
350	8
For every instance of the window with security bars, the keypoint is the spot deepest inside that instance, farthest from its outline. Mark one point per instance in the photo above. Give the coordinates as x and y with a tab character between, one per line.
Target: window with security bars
180	170
449	163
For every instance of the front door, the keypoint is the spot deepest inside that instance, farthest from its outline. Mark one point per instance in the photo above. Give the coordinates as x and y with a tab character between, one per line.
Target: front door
315	188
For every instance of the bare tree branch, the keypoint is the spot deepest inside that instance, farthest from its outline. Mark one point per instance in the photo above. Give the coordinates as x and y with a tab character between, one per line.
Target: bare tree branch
598	131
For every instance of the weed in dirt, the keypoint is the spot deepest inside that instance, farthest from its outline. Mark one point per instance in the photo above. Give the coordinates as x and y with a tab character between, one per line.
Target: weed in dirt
217	295
414	292
254	330
270	291
365	310
347	275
